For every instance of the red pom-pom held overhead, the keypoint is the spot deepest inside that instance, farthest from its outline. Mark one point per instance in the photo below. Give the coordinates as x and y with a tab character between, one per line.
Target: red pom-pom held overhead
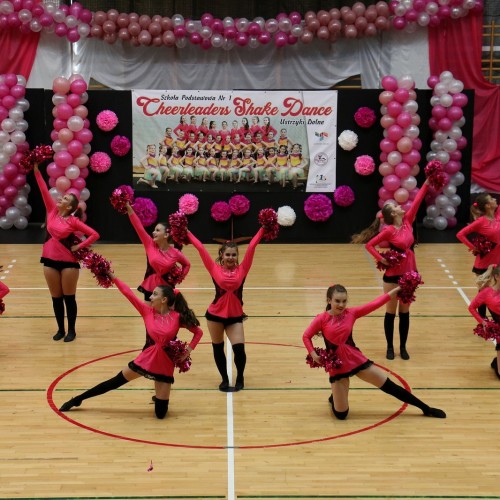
435	175
120	197
35	157
268	219
178	228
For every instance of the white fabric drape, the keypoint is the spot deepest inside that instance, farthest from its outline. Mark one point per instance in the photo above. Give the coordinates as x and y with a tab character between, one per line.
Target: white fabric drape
318	65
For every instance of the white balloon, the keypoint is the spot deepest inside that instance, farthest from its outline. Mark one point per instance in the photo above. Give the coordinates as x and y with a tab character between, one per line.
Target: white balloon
443	156
440	89
446	76
23	104
21	80
449	145
446	100
84	194
56	195
406	82
17	137
4	137
26	210
456	86
9	148
8	125
22	125
428	222
16	113
71	21
457	179
58	99
440	223
12	213
432	211
455	200
411	106
449	190
21	222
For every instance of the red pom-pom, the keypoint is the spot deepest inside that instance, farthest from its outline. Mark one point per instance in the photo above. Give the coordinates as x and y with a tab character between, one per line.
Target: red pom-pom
119	198
174	276
178	228
268	219
35	156
434	173
409	283
176	350
2	307
489	330
482	245
329	360
393	257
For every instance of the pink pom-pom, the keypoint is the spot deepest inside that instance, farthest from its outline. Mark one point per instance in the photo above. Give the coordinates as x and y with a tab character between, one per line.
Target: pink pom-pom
393	258
482	245
178	228
489	330
176	350
318	207
268	219
146	211
120	145
329	360
174	276
100	162
220	211
409	282
2	307
239	204
364	165
188	203
434	173
343	196
365	117
119	198
36	156
106	120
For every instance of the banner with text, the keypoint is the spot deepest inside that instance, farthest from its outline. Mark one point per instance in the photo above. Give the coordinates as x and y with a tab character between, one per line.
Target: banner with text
212	140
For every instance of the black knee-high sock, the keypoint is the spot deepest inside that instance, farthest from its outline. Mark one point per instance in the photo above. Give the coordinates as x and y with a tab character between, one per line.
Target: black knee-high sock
58	306
71	311
220	360
106	386
161	407
240	360
389	328
389	387
404	328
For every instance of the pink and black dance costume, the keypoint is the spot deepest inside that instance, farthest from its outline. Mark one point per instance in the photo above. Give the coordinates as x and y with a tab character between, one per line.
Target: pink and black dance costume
56	253
402	240
153	362
337	334
4	290
159	263
489	298
227	306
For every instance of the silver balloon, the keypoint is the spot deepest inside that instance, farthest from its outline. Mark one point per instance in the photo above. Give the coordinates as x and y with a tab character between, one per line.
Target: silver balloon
432	211
440	223
440	136
21	222
177	20
457	179
20	201
58	99
26	210
297	30
253	42
436	146
9	148
5	223
17	137
228	22
35	25
411	106
228	44
260	21
16	113
22	125
448	211
84	97
434	100
455	132
455	200
23	104
430	156
449	145
59	16
446	76
4	137
449	190
180	43
428	222
443	156
8	125
217	40
12	213
84	194
442	201
21	80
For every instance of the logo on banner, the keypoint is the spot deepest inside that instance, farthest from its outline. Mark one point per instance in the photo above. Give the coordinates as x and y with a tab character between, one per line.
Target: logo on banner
321	135
321	159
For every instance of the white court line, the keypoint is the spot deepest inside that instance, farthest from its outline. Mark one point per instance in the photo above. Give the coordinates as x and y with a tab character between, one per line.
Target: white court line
230	426
461	292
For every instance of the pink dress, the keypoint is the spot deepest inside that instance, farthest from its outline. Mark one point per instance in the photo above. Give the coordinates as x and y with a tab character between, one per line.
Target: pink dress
159	263
491	298
228	301
400	239
153	362
337	333
4	290
61	230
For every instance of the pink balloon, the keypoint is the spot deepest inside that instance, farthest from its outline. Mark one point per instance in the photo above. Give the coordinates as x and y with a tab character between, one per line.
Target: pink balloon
81	110
385	169
54	135
394	108
452	167
78	87
4	182
394	133
281	38
78	183
433	79
81	161
417	144
73	35
386	145
18	91
74	191
391	182
404	119
9	101
84	135
242	39
402	170
386	121
65	135
390	83
456	155
460	100
9	171
54	170
134	29
75	148
10	192
401	195
412	158
454	113
439	112
404	145
452	221
84	173
445	124
19	181
62	183
63	159
461	142
385	97
73	100
401	95
64	111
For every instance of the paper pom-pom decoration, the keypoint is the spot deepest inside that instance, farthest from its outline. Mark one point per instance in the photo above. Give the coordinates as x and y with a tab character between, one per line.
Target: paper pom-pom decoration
176	350
220	211
489	330
364	165
482	245
409	283
36	156
106	120
393	258
343	196
178	228
119	198
318	207
286	216
365	117
268	219
188	203
348	140
120	145
329	359
100	162
434	173
146	211
239	204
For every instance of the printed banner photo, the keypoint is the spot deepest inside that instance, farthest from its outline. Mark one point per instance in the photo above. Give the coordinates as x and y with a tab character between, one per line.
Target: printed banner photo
217	140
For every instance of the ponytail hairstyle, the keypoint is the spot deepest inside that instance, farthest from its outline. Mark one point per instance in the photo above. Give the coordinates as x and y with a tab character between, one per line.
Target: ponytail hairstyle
489	277
222	249
75	209
367	234
478	208
331	290
177	300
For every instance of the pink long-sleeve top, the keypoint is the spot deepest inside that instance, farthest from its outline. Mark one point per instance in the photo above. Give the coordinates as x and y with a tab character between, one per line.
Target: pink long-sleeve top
337	330
60	228
400	238
488	296
159	262
4	290
491	230
228	301
161	329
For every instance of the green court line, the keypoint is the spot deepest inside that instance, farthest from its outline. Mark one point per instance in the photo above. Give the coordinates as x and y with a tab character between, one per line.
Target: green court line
369	496
157	497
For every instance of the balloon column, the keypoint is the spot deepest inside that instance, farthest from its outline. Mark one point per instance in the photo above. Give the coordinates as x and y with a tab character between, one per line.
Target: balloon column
71	140
447	121
14	207
400	146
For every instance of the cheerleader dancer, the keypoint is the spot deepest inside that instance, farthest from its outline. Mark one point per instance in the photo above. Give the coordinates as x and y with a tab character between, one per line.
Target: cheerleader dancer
225	313
200	165
488	296
163	163
60	267
247	165
187	163
335	325
268	131
161	256
182	127
4	290
255	127
486	222
212	164
150	165
297	165
175	164
163	317
224	163
399	234
234	166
